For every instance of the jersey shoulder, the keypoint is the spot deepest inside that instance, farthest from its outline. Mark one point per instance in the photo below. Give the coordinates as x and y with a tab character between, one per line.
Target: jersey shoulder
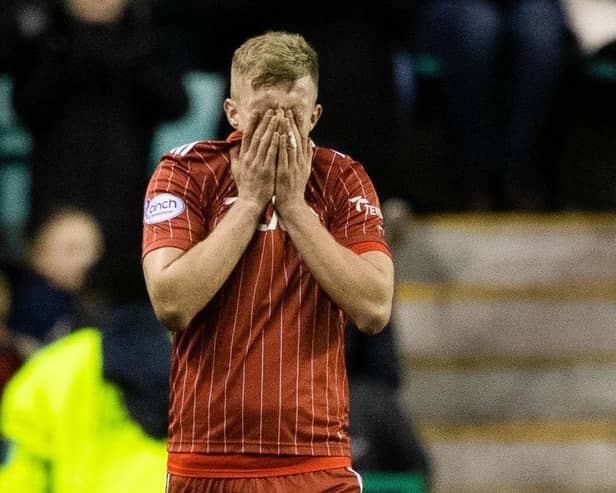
334	163
200	149
184	149
208	153
331	155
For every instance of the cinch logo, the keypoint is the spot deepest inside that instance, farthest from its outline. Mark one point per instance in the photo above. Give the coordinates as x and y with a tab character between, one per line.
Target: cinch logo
162	208
362	202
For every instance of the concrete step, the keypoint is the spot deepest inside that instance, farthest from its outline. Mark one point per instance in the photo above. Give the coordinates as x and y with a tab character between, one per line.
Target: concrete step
506	332
504	394
508	249
466	320
510	284
522	457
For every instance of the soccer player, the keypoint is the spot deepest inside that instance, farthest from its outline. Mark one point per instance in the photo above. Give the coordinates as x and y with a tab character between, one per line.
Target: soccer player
256	249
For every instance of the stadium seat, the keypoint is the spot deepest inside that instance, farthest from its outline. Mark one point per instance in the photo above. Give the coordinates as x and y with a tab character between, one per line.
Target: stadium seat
205	95
602	65
15	145
393	482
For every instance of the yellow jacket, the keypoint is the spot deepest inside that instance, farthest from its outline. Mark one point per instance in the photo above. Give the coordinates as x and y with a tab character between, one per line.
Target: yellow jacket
69	429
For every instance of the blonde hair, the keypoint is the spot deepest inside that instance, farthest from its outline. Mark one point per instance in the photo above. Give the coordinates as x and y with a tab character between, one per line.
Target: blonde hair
275	57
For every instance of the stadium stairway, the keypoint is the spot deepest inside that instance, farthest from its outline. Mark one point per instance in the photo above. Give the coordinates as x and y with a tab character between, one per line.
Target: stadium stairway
507	331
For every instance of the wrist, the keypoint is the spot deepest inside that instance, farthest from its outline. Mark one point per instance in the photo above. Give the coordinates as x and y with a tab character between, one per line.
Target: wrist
250	208
293	211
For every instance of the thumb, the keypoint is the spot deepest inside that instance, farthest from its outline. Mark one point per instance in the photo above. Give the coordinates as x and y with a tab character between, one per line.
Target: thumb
234	153
234	156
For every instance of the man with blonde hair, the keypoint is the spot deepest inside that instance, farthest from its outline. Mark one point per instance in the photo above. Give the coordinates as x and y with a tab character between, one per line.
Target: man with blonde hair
256	249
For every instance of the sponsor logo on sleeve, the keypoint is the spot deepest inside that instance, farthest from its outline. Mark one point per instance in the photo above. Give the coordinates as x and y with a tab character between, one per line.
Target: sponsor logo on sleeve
362	203
162	207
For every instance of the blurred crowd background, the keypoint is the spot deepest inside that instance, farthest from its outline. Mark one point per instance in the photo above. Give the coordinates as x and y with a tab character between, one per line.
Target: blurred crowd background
455	107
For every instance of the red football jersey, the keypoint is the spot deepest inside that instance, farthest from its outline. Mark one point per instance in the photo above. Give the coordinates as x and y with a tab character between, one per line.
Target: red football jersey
261	368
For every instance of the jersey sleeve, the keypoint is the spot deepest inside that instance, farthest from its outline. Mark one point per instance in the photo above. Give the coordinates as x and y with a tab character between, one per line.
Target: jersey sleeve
358	221
173	208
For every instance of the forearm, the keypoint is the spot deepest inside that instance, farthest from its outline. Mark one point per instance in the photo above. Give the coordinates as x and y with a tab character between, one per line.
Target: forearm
183	287
363	290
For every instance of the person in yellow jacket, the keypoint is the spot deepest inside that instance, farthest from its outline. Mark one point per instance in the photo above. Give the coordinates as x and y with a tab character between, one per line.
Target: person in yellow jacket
87	413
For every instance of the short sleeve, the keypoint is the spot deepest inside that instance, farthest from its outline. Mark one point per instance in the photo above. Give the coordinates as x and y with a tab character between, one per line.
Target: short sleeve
357	221
173	208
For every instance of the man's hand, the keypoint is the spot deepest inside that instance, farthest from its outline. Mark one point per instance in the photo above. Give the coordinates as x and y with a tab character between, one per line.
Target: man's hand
294	165
254	165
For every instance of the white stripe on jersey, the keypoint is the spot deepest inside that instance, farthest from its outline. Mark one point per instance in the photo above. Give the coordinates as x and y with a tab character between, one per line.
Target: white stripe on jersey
363	193
169	181
286	281
195	393
359	479
231	345
327	378
184	197
297	352
183	149
314	320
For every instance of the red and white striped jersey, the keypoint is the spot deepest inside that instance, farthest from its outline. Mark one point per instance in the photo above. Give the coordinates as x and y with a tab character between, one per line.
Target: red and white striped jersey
260	370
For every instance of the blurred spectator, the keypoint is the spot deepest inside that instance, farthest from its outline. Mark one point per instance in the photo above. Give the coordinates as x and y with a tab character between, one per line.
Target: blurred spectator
588	165
502	60
88	413
10	359
92	80
48	291
593	21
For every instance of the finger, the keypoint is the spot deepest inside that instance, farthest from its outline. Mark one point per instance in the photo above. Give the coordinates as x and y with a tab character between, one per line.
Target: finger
254	119
272	151
307	147
294	131
261	130
291	140
309	153
234	153
283	153
292	149
264	142
235	160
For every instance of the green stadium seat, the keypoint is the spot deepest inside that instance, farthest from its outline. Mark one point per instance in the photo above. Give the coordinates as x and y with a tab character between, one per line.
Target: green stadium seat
602	64
206	95
393	482
15	145
15	141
